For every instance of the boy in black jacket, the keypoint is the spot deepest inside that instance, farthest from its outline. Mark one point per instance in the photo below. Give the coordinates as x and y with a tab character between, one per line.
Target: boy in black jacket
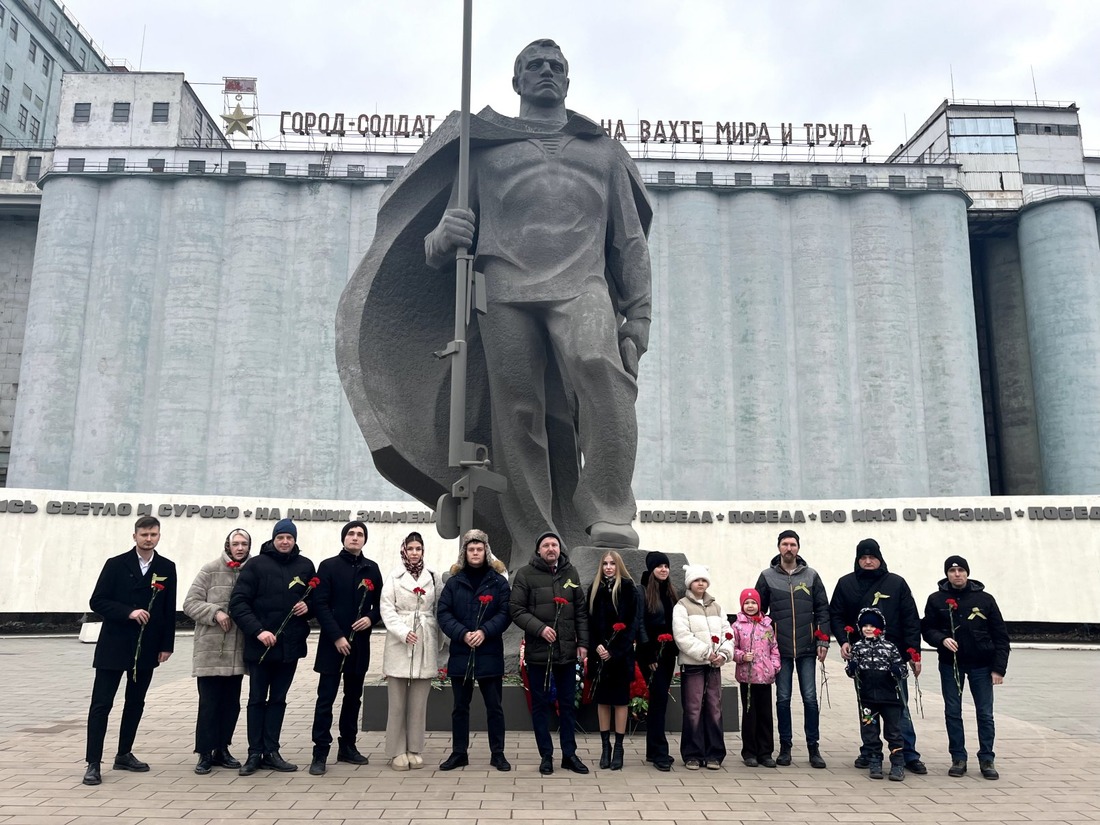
878	669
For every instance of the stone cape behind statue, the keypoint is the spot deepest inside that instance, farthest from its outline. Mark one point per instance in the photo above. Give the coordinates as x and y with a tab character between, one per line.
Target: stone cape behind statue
396	312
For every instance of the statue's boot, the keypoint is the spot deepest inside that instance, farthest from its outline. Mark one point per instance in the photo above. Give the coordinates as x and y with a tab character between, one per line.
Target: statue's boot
605	534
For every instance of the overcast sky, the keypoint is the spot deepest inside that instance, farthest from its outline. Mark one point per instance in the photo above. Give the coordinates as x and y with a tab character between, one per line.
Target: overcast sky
879	63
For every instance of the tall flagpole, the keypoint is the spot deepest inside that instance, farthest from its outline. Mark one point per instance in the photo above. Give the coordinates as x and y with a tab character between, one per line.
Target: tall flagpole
455	510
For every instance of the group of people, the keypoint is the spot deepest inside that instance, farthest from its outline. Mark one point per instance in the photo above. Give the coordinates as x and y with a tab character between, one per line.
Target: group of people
252	615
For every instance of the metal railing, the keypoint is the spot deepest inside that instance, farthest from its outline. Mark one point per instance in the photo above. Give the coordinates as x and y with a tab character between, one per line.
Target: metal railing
223	170
1051	192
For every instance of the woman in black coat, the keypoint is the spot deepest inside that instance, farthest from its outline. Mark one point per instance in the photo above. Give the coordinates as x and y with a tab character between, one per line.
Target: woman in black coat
613	607
473	614
656	658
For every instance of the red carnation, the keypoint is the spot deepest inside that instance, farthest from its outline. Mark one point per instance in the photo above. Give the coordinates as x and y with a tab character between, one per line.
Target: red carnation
820	636
715	639
877	631
232	565
158	585
485	599
664	638
367	583
618	627
419	591
914	654
314	582
560	600
849	629
952	604
757	618
729	636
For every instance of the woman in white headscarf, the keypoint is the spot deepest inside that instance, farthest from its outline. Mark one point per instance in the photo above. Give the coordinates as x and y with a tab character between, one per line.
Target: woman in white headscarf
411	658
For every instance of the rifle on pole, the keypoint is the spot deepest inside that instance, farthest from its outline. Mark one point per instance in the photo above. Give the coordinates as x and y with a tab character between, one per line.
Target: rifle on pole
455	510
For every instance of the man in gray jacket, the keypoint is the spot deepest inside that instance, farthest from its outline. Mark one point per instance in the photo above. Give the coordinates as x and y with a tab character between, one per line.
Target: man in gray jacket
795	597
548	605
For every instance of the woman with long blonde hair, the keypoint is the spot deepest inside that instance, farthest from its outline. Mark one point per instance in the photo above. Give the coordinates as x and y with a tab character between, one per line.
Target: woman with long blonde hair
614	607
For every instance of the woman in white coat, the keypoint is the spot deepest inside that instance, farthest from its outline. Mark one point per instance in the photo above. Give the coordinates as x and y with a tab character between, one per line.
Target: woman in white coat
411	658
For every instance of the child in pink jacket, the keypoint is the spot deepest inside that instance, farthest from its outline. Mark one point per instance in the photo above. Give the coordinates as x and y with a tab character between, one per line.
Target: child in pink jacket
757	656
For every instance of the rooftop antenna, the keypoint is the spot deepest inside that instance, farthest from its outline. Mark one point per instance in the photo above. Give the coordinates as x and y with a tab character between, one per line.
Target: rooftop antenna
1034	88
951	74
141	54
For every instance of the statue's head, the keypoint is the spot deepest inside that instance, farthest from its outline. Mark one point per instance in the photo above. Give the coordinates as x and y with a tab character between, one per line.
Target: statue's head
541	74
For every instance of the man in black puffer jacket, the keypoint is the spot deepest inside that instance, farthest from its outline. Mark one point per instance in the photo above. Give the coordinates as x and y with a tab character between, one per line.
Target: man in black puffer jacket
272	587
964	624
873	585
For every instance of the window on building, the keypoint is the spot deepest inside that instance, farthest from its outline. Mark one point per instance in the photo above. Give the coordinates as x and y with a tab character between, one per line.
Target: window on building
1051	179
781	179
120	113
23	113
27	93
7	167
982	135
316	170
13	30
76	165
393	170
238	167
198	128
38	103
68	40
32	52
53	24
34	168
276	169
116	164
82	112
38	6
209	133
934	181
196	166
819	180
704	178
3	14
666	177
8	71
857	181
47	64
742	179
356	170
896	181
83	58
5	96
160	113
156	164
1064	129
36	128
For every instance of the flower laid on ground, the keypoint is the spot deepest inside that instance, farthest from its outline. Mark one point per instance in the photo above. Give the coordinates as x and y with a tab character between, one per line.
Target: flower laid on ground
156	588
485	601
440	680
310	586
559	603
639	696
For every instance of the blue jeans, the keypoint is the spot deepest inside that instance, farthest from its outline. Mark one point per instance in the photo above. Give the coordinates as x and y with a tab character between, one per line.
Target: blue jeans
908	735
981	689
565	683
807	685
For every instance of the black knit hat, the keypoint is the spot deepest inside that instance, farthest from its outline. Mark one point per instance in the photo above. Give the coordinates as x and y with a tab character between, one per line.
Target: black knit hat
548	534
654	559
788	534
285	526
348	526
868	547
872	616
956	561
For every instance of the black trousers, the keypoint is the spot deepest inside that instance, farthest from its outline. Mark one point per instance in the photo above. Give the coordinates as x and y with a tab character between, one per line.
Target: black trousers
890	714
492	692
104	689
757	726
219	710
656	742
268	685
328	686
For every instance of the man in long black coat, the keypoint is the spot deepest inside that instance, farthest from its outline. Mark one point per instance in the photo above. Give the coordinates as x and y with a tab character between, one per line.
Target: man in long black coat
871	584
136	596
346	607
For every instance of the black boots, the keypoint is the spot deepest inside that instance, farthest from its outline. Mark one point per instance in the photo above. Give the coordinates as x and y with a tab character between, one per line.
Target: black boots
815	756
617	753
784	757
205	764
605	754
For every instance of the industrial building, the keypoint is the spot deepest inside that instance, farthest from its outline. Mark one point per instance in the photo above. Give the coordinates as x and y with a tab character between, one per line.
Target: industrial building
823	328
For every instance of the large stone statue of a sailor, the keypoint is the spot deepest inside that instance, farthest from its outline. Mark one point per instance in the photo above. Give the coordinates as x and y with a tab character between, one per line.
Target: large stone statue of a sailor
557	223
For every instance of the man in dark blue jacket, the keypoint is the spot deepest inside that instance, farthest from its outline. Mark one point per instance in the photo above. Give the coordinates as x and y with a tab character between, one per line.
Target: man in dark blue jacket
271	590
473	614
136	596
346	607
964	624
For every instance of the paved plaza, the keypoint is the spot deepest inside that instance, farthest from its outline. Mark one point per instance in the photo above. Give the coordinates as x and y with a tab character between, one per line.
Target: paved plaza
1048	746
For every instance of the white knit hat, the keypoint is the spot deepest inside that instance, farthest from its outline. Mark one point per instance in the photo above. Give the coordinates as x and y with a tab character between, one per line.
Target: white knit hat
695	571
